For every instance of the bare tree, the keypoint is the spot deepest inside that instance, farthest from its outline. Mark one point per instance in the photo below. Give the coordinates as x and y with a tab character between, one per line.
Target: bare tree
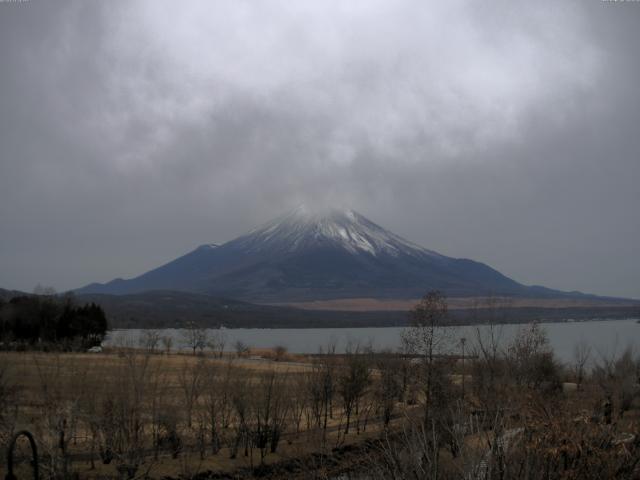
217	341
167	343
240	399
321	382
158	404
150	340
352	382
128	409
242	349
489	335
617	376
61	410
530	358
269	410
388	386
190	379
581	355
299	397
212	394
427	338
195	337
279	352
489	369
216	393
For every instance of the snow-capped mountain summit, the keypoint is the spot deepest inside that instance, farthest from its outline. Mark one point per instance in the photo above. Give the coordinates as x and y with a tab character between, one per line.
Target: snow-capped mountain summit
305	228
311	254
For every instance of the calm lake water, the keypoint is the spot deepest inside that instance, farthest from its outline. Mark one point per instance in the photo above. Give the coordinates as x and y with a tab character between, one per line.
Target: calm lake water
606	337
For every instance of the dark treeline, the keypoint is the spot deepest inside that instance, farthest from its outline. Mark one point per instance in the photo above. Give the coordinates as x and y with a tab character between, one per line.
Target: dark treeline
167	309
172	309
48	320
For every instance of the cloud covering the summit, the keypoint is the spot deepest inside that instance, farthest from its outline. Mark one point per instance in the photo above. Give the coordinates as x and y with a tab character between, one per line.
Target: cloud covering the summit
506	132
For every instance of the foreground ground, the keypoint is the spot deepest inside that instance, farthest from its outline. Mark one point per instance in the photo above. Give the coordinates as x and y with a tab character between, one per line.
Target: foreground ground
513	413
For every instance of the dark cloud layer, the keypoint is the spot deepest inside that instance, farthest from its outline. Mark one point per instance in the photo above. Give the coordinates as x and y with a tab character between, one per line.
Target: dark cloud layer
503	131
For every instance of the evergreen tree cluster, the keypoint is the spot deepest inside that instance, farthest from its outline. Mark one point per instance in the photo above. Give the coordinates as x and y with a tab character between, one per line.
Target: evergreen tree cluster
35	319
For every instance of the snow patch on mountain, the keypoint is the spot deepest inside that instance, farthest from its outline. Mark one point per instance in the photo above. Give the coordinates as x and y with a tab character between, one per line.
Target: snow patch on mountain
208	246
305	227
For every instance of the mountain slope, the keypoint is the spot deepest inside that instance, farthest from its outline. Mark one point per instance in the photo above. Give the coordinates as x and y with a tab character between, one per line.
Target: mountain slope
307	255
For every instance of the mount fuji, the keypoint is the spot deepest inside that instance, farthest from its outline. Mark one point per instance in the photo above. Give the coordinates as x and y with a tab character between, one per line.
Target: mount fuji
308	255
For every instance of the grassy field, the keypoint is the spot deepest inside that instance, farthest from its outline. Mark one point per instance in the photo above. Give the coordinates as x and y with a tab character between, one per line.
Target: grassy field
70	388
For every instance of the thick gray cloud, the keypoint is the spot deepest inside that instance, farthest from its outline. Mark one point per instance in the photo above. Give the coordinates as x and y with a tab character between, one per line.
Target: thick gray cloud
507	132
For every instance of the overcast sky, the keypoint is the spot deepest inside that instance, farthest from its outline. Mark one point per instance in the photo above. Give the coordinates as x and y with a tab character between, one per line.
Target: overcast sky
506	132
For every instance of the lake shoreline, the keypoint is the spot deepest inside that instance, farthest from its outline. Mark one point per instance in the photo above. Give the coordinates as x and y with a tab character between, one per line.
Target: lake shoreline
604	335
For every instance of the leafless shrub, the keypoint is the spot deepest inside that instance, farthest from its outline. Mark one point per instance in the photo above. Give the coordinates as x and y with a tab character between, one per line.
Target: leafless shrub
352	382
581	356
242	349
388	387
216	342
195	337
217	405
60	392
191	379
125	419
618	378
269	411
411	453
531	359
167	343
299	398
150	340
240	399
321	382
279	352
168	437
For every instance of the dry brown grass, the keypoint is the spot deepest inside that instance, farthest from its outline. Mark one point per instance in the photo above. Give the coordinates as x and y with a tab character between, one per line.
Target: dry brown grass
26	369
377	304
66	376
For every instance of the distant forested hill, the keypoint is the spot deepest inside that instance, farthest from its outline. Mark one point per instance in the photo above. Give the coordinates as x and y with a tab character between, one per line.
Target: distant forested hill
166	309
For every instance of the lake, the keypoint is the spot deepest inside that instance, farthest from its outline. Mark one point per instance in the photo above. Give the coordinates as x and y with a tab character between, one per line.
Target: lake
606	337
